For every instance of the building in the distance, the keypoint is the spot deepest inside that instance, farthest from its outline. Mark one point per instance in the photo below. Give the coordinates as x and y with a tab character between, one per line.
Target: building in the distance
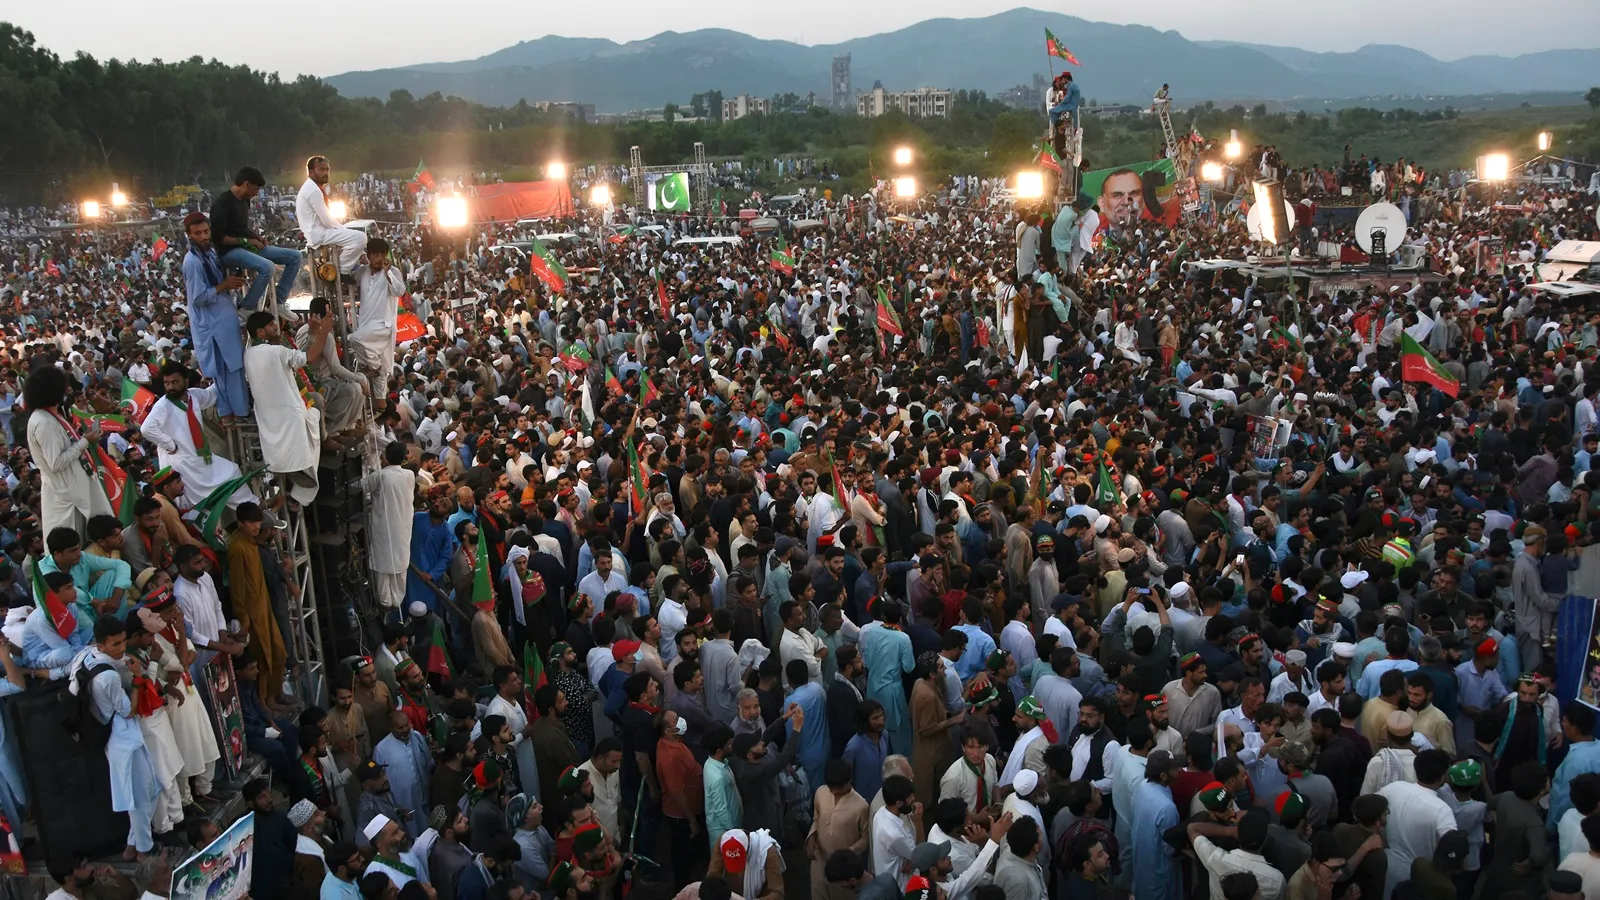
577	112
1114	110
922	103
1025	96
734	108
843	97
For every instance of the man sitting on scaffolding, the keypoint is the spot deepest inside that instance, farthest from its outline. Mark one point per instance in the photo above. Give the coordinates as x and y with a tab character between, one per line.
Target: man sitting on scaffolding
318	224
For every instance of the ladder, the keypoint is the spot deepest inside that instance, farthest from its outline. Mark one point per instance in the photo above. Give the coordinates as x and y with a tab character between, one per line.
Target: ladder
1163	111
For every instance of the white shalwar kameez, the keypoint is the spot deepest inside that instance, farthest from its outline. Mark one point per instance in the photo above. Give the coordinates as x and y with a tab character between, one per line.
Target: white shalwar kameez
167	426
372	343
191	726
168	764
291	431
68	495
133	780
393	490
322	229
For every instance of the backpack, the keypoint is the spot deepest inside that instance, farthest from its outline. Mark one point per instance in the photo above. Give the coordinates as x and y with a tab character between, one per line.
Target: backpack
80	721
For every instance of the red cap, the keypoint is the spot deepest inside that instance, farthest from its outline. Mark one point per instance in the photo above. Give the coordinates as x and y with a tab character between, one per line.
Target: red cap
623	649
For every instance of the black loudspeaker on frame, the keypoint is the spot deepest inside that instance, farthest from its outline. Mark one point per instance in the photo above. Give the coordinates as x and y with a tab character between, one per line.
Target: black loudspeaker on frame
69	783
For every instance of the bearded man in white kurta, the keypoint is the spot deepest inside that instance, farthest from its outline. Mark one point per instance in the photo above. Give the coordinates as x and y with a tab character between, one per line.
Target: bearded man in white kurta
291	430
393	490
372	343
173	425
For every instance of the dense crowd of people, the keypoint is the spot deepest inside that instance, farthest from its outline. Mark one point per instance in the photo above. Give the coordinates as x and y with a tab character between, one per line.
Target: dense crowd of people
976	552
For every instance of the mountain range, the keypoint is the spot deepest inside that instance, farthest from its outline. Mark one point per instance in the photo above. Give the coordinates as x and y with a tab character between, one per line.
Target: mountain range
1121	63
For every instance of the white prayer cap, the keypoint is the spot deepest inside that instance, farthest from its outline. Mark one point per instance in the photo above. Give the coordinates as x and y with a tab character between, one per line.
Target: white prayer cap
1101	524
1344	650
376	826
1025	781
1178	591
452	435
1352	580
418	609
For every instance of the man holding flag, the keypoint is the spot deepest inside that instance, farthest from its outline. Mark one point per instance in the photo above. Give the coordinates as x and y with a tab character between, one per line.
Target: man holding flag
173	426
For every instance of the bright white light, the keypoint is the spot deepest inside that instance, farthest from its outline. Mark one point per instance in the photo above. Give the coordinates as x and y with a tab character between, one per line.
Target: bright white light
600	195
1544	141
1211	171
336	209
902	156
905	188
1494	167
556	170
91	209
1030	185
450	212
1232	148
118	198
1269	216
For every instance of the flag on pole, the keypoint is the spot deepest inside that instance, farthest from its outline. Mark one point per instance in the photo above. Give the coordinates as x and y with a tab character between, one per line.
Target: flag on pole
438	661
543	263
110	424
620	235
157	247
422	177
533	676
1054	47
1105	490
577	358
482	587
1281	336
1048	158
1417	364
407	327
647	389
636	475
662	299
62	618
587	405
782	260
51	268
888	319
612	384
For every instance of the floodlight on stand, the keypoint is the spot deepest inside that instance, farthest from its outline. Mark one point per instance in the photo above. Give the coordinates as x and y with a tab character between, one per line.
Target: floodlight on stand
1233	148
118	198
556	170
902	156
905	188
91	209
1211	171
1269	199
336	208
1544	141
450	212
1494	167
1030	185
600	195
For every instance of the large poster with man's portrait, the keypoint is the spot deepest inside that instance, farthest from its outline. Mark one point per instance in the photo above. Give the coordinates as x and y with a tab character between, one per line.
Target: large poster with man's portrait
1139	192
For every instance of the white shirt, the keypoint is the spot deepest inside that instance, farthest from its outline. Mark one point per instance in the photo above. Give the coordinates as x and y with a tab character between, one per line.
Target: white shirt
892	843
598	661
1235	717
1587	865
1569	835
672	617
1417	819
801	645
201	608
311	213
1220	863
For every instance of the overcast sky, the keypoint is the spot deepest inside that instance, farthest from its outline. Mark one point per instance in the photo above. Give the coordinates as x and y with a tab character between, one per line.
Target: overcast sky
334	36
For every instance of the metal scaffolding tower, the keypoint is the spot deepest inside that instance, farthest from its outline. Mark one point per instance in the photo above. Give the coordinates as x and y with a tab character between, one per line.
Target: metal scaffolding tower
699	175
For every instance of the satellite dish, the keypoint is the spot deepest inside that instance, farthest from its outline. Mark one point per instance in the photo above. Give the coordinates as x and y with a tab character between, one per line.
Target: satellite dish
1385	217
1252	220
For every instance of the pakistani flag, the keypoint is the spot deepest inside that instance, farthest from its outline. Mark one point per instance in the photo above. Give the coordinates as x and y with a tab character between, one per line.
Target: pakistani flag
670	193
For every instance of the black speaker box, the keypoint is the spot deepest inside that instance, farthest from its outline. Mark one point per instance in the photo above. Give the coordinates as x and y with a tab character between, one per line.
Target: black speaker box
69	784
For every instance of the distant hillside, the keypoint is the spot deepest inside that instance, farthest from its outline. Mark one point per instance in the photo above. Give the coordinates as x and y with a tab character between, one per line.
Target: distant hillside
1121	63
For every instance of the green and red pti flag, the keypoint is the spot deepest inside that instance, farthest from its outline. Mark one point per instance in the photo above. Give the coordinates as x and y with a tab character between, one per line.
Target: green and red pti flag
782	260
1048	158
422	178
157	247
636	474
137	399
1053	46
544	264
661	298
1417	364
482	587
888	319
438	661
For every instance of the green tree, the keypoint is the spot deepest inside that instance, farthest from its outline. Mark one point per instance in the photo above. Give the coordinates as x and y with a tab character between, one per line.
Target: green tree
1593	99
